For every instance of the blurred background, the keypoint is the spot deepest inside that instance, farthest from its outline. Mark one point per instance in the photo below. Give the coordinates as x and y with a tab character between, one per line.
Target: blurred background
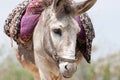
105	65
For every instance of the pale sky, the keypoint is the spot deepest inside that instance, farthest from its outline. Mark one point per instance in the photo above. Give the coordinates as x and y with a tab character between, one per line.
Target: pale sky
105	15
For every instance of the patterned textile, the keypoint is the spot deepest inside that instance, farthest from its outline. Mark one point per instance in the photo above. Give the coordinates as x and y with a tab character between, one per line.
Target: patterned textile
25	16
13	20
86	36
90	34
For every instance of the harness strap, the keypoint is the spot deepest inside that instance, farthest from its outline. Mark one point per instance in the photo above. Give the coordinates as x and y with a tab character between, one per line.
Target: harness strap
66	60
11	33
59	59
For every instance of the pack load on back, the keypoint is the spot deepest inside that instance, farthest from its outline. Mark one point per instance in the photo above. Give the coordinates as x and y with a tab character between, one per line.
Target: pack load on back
20	23
12	23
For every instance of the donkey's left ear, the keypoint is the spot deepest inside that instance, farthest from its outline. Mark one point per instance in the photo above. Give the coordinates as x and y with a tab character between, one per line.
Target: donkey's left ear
81	7
58	4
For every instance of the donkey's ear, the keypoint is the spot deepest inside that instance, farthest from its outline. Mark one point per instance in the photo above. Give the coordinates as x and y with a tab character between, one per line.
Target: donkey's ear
62	5
58	4
81	7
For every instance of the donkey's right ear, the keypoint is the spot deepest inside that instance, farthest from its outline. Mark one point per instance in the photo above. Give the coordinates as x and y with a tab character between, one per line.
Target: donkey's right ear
81	7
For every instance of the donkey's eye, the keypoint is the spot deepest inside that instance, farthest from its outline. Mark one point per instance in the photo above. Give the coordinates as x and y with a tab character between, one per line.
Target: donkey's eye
57	31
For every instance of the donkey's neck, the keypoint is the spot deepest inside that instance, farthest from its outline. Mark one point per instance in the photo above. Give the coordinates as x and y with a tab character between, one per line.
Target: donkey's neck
48	68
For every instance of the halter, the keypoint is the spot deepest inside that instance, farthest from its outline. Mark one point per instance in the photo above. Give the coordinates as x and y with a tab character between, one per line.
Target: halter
54	55
59	59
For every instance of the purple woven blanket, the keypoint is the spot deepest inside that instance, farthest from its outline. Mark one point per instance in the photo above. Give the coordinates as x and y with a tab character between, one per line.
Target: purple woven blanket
31	17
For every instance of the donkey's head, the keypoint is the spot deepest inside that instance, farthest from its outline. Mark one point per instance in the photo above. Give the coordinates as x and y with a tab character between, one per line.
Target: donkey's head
58	32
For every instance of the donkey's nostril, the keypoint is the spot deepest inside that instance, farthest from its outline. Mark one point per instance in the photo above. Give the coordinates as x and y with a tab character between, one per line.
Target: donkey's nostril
66	67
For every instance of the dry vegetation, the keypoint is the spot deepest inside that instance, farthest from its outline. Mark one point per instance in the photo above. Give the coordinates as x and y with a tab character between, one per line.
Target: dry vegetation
107	68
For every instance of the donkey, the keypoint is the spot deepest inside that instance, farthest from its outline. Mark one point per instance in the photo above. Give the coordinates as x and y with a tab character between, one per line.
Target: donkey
54	39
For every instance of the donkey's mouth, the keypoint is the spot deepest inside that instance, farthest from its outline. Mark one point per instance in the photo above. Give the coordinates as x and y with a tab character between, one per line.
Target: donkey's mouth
68	75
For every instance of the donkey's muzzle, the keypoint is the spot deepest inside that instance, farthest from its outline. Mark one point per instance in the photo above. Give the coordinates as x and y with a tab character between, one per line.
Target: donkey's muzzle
67	69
